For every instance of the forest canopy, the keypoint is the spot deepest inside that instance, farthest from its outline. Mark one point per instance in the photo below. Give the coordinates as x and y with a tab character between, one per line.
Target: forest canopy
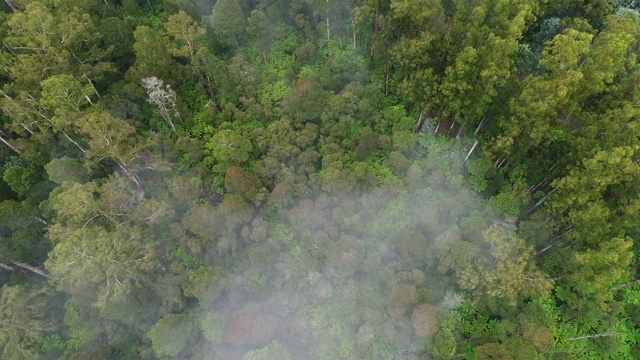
305	179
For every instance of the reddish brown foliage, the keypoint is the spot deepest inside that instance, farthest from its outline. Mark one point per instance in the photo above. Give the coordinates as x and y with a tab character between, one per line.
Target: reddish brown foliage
426	321
401	297
241	182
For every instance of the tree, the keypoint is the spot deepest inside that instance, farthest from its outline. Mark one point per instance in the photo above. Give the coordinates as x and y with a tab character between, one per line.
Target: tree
444	345
25	320
545	97
20	176
492	351
185	33
603	267
114	139
64	94
48	42
21	238
62	43
263	31
426	321
99	264
227	148
594	195
271	351
305	101
171	334
77	205
163	97
212	71
213	326
237	180
66	171
153	58
500	272
401	297
206	283
228	22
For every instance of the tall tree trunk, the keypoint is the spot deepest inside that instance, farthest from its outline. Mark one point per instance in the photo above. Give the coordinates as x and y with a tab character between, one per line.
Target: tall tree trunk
595	336
73	141
541	201
328	31
131	176
11	5
353	26
374	35
9	48
167	116
32	269
437	127
418	127
480	125
386	83
471	151
628	283
7	143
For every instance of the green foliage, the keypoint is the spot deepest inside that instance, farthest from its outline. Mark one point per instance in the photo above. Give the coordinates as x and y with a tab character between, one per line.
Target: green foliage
226	148
24	320
20	175
277	188
443	345
171	334
271	351
51	343
228	22
66	171
206	284
478	169
213	326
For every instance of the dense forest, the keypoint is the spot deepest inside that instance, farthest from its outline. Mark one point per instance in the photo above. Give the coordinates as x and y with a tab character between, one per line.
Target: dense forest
319	179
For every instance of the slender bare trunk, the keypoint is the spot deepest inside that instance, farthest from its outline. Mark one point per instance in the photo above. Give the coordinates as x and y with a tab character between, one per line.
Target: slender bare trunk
12	5
9	48
7	143
451	127
628	283
386	84
32	269
545	249
353	26
73	141
328	31
560	277
480	126
94	87
375	32
418	127
42	221
541	201
131	176
167	116
459	132
471	151
552	243
595	336
540	184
